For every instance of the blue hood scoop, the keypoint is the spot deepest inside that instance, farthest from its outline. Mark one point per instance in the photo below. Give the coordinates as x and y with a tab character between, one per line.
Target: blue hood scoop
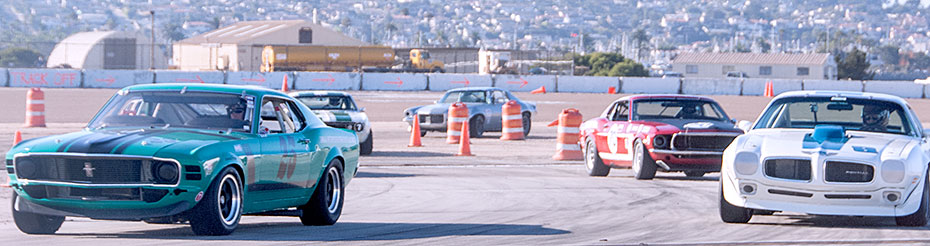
830	137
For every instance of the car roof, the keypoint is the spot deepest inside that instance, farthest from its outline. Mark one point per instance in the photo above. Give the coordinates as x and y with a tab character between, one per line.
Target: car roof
477	88
847	94
664	96
318	93
255	90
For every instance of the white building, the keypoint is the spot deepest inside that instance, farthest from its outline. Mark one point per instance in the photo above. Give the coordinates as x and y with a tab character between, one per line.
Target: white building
106	50
756	65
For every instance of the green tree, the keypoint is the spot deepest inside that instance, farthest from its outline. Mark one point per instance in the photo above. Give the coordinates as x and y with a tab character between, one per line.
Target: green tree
918	61
764	45
18	57
853	65
889	54
174	32
609	64
641	41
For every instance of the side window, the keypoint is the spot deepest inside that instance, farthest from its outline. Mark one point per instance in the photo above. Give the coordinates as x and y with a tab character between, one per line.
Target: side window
622	113
498	97
279	116
269	123
296	117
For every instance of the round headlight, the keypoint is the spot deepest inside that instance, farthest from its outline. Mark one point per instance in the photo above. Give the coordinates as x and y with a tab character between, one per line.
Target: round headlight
746	163
359	127
893	171
660	142
166	172
25	169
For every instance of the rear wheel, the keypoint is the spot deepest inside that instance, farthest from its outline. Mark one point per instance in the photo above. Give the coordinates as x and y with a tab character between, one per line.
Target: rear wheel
643	165
325	207
476	127
921	216
366	146
527	124
221	208
31	223
592	161
422	133
730	213
694	174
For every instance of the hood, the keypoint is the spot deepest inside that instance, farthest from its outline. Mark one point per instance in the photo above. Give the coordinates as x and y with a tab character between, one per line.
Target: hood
439	108
337	115
141	142
854	145
687	125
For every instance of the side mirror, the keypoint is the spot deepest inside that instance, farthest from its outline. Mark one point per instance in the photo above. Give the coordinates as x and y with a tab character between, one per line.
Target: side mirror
435	102
362	109
744	125
926	133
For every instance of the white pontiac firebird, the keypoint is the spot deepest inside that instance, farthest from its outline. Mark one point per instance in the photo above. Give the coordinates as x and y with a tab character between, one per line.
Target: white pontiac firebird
829	153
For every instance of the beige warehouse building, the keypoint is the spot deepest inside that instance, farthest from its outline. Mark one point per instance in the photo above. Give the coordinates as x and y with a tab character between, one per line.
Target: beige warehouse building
238	47
106	50
755	65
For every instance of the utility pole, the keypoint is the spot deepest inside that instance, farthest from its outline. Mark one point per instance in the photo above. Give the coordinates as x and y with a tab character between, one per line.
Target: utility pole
152	51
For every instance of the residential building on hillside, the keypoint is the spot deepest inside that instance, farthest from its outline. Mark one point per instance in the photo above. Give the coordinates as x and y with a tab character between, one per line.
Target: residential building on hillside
238	47
755	65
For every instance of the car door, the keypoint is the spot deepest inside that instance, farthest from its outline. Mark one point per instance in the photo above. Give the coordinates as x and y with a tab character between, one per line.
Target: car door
613	139
495	103
285	171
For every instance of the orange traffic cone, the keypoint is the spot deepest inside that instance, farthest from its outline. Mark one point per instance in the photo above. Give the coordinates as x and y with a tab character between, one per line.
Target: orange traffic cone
541	89
17	137
284	86
464	145
769	90
612	90
415	133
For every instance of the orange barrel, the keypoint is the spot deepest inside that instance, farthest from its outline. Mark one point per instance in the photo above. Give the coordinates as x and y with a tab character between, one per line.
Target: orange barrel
511	121
35	108
458	114
567	147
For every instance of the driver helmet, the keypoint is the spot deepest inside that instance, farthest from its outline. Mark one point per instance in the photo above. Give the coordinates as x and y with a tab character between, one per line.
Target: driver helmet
875	115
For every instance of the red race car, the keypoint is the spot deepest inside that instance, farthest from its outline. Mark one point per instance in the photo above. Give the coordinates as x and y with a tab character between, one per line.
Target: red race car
648	132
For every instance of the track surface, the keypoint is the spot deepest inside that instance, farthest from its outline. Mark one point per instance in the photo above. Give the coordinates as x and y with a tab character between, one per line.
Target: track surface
509	193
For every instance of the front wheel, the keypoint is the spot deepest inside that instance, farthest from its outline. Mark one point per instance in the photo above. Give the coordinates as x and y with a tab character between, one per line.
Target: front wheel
919	217
31	223
221	208
730	213
325	207
476	127
694	174
592	161
643	165
527	123
366	146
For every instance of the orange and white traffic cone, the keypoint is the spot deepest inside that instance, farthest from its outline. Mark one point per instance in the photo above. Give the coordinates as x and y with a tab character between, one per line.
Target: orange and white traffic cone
464	141
567	147
17	137
35	108
415	133
512	121
769	89
541	90
458	115
284	87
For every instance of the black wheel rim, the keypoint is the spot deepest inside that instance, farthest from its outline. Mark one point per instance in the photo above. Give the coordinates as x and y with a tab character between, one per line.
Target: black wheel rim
333	189
229	199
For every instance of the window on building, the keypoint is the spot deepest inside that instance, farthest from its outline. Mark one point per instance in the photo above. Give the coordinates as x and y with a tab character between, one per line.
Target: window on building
765	70
804	71
306	36
728	68
691	69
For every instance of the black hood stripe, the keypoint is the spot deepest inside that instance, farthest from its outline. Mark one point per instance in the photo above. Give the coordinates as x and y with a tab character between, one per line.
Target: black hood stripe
115	143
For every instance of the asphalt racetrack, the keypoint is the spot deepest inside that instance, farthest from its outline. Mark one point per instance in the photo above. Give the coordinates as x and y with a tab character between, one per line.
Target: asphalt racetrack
509	193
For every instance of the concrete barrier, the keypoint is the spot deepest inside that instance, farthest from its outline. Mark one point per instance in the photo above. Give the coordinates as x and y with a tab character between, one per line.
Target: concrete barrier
446	81
168	76
4	77
702	86
272	80
327	81
393	82
905	89
756	87
833	85
636	85
526	82
48	78
99	78
587	84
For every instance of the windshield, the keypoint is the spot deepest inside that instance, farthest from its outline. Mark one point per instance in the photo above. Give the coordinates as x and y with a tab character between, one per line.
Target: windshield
327	102
851	114
464	96
204	110
677	109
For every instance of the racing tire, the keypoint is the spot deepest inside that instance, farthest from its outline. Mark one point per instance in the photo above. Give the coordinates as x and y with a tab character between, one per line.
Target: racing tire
919	217
592	161
422	133
694	174
730	213
476	127
643	165
325	206
32	223
221	208
366	146
527	124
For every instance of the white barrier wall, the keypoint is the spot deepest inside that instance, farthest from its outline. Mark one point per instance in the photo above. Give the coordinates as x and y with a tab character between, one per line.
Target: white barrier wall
393	82
833	85
327	81
272	80
4	75
48	78
525	83
587	84
631	85
168	76
756	87
446	81
701	86
99	78
906	89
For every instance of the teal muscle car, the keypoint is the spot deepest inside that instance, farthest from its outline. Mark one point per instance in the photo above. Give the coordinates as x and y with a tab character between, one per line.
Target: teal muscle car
167	153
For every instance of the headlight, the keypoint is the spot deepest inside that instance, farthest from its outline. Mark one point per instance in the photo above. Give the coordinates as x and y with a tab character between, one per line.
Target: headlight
359	127
25	169
893	171
660	142
165	172
746	163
